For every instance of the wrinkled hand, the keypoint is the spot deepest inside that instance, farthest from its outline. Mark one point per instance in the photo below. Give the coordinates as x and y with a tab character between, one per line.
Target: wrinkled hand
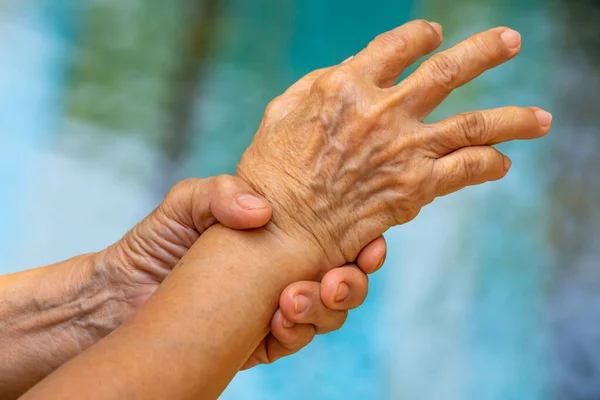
142	259
344	154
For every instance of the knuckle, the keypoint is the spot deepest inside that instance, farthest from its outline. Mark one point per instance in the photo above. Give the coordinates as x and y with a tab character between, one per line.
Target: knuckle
444	69
334	83
474	164
481	156
390	42
332	94
435	140
489	46
272	107
490	159
414	189
466	166
184	187
224	183
312	76
222	180
472	126
425	27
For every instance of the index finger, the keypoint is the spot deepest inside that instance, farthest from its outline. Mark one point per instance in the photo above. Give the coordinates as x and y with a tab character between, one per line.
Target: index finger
386	57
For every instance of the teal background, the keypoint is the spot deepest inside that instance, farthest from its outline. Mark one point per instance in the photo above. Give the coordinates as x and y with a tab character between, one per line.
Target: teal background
491	293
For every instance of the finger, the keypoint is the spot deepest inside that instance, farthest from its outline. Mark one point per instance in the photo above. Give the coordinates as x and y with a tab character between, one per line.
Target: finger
372	256
234	204
435	79
301	303
188	204
386	57
287	337
281	341
487	127
344	288
291	335
468	166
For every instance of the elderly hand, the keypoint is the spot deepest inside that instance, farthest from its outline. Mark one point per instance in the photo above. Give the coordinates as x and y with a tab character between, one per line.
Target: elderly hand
142	259
344	154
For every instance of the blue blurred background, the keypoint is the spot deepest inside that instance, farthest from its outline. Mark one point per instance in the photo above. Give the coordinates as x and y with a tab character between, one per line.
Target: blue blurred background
492	293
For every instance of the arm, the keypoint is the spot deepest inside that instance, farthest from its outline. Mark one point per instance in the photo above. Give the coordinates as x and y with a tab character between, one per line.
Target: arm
351	160
189	340
50	314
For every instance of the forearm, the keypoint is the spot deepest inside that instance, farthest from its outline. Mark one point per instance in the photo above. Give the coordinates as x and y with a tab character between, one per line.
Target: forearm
197	330
49	315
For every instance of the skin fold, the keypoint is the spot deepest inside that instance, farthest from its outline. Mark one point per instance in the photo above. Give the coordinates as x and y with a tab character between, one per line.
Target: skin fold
49	315
342	156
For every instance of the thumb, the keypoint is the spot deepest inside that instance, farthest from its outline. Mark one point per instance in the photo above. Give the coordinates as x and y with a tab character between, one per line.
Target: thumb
234	204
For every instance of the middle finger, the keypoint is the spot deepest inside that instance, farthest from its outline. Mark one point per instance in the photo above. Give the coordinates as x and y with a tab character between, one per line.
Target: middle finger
437	77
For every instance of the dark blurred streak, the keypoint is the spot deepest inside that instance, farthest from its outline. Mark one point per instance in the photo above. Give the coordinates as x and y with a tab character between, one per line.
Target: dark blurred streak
198	42
575	204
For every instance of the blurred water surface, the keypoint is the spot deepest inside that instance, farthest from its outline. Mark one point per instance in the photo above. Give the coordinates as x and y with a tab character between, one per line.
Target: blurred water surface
491	293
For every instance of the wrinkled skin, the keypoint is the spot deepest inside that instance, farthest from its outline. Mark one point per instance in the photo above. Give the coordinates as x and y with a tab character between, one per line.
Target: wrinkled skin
138	263
344	154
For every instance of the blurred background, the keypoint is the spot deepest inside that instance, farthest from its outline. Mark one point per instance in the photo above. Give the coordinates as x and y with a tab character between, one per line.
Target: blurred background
492	293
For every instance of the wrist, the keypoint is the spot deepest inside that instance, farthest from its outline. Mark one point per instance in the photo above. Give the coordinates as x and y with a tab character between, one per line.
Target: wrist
283	259
115	268
293	219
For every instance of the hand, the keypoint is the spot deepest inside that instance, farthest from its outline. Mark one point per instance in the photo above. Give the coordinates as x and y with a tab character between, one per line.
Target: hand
344	154
142	259
308	308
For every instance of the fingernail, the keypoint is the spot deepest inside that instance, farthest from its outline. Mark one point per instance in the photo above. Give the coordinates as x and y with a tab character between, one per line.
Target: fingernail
342	293
301	303
544	118
288	324
511	38
250	202
507	163
437	27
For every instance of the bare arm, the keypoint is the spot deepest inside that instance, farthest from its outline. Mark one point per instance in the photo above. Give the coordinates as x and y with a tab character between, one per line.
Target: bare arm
51	314
197	330
48	315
